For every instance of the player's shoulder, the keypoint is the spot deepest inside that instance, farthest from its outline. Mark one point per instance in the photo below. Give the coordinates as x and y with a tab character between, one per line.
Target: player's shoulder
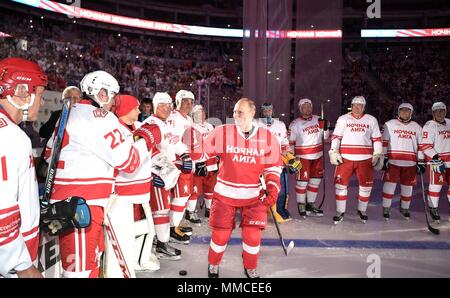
11	133
430	124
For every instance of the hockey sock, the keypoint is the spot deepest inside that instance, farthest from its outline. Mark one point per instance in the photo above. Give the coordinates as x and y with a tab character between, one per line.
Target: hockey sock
218	244
300	191
251	239
341	198
162	225
433	195
406	195
388	193
313	188
363	197
177	206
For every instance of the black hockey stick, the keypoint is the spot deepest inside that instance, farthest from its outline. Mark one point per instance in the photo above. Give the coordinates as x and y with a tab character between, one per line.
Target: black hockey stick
51	171
323	160
287	249
430	228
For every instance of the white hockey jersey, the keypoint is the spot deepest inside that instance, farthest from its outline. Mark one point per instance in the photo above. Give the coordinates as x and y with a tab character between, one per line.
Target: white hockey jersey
19	199
278	129
305	137
93	148
242	161
134	187
171	144
357	139
197	135
436	140
401	142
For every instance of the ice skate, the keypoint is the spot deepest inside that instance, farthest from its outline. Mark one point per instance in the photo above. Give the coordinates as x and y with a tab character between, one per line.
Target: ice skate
192	216
251	273
213	271
435	215
386	213
178	236
405	213
338	218
165	251
302	210
312	210
363	216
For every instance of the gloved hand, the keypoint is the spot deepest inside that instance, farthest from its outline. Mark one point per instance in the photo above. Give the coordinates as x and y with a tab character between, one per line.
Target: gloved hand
292	163
186	163
378	161
335	157
323	124
437	164
200	169
269	201
150	133
157	181
421	167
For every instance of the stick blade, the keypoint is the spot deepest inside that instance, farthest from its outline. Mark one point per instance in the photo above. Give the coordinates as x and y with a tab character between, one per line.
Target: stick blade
289	247
434	230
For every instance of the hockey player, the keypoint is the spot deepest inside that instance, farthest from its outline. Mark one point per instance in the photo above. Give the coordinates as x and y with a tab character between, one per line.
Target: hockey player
22	85
305	137
246	152
93	148
436	147
181	122
160	199
130	188
203	185
278	129
401	139
355	147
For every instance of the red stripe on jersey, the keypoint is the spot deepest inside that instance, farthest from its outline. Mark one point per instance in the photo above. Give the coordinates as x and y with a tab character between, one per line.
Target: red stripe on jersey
7	210
402	156
60	164
9	225
86	191
4	171
132	162
310	150
360	150
76	180
33	230
133	189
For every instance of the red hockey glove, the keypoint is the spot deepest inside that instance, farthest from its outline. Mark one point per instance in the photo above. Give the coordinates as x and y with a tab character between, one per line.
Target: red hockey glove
323	124
150	133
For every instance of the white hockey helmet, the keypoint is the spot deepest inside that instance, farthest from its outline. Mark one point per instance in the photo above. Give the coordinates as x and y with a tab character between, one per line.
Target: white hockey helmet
304	101
196	113
160	97
438	106
406	105
182	94
359	99
93	82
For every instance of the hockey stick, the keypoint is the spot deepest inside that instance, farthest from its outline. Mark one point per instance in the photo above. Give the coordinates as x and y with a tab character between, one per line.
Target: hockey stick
430	228
113	238
287	249
323	160
51	171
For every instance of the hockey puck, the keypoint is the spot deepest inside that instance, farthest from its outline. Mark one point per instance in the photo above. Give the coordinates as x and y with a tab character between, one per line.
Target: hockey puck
182	272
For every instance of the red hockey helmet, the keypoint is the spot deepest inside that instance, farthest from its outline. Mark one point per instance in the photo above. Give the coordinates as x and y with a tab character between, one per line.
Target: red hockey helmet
15	71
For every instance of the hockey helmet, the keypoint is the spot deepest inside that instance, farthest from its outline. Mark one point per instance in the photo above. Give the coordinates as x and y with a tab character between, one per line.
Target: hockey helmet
359	100
196	113
304	101
438	106
407	106
161	97
182	94
93	82
18	72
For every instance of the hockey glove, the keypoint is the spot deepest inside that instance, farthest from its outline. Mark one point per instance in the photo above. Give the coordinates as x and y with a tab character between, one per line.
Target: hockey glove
292	163
437	165
323	124
150	133
165	170
200	169
186	163
378	161
335	157
64	215
421	168
157	181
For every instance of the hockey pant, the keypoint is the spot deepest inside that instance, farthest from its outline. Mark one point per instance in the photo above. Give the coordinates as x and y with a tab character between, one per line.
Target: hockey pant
435	187
202	185
180	195
283	195
308	180
407	176
222	223
364	173
81	249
